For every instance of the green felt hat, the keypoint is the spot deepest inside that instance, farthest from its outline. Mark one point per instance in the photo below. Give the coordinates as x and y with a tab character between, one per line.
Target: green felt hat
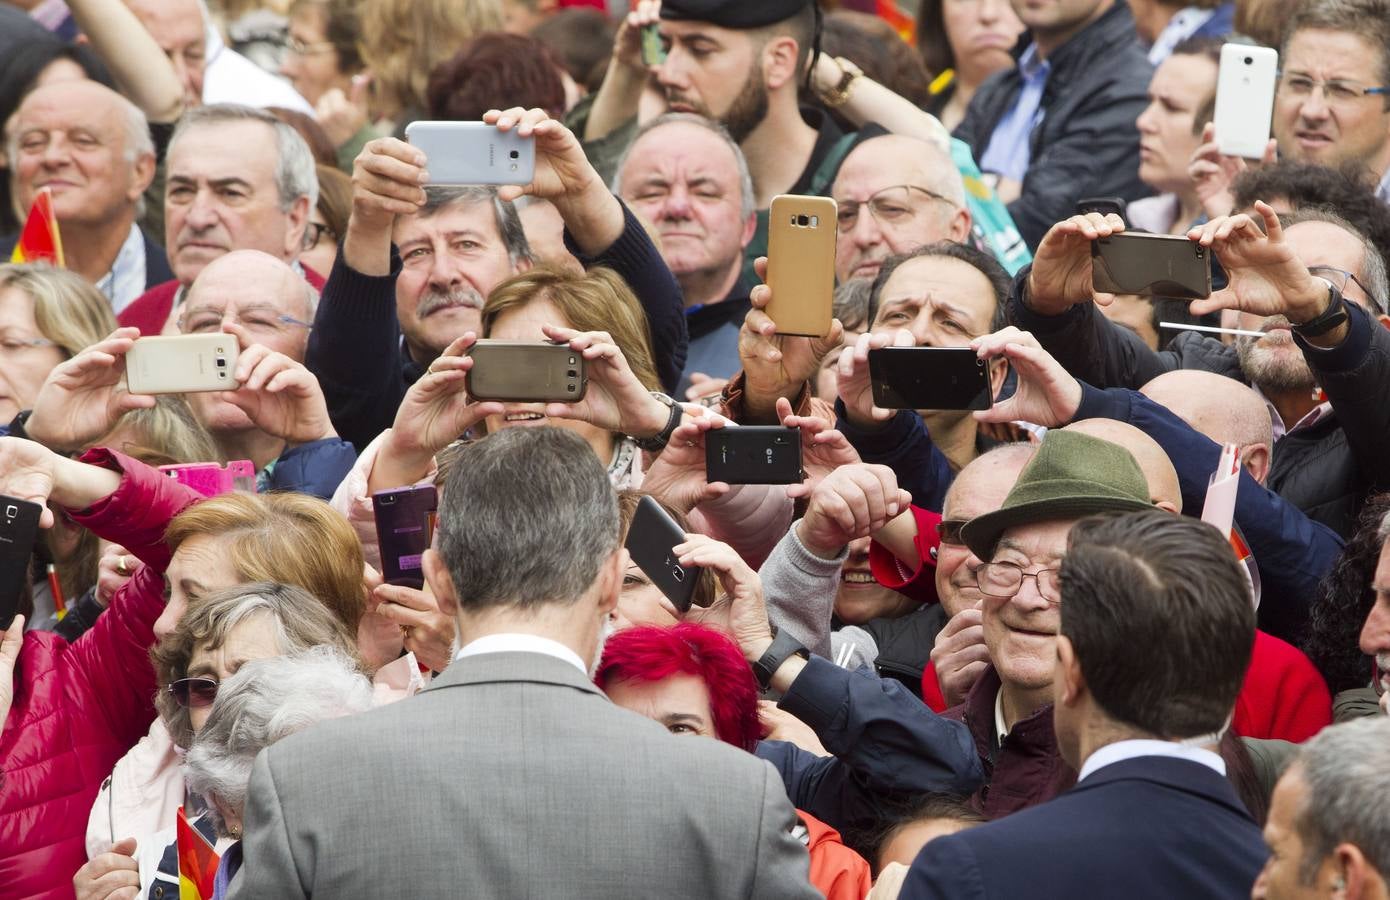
1072	475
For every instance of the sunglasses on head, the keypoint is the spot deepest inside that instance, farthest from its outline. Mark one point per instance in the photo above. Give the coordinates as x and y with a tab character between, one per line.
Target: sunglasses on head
194	692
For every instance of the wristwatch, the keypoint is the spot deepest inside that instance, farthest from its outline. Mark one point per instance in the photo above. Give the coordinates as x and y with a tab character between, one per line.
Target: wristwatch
784	646
17	424
657	442
1328	319
838	96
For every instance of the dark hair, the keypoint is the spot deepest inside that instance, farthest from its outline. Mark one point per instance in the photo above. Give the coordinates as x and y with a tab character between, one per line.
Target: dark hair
496	70
526	518
800	26
1161	619
932	42
893	814
877	48
582	40
1344	191
1343	600
1000	282
335	199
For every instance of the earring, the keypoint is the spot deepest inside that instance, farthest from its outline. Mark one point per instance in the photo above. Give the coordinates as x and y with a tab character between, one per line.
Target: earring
1339	883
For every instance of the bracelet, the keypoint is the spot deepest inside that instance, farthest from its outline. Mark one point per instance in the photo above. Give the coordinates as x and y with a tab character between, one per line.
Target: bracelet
17	424
838	96
657	442
783	647
1328	319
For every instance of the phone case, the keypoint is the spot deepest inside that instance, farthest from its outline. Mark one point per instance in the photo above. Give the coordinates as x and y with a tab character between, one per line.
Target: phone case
19	528
473	153
1245	99
653	50
526	372
180	364
404	528
650	539
753	454
801	264
211	479
1153	265
929	378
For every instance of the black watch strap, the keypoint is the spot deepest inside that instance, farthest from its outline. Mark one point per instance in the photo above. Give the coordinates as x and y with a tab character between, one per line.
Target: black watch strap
1328	319
783	647
17	424
658	442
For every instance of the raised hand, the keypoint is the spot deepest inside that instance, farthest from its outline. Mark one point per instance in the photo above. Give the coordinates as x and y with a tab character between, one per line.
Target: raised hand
776	365
429	633
677	475
960	655
852	502
615	400
823	449
84	397
747	610
342	115
1061	275
562	169
1266	278
852	377
29	471
627	43
1047	394
10	642
1212	172
388	179
280	396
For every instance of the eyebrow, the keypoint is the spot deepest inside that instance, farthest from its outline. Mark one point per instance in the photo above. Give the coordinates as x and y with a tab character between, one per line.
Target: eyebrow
692	37
922	299
1007	544
678	718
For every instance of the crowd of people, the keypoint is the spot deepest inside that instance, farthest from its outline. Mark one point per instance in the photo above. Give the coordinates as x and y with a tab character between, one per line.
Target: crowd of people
1014	651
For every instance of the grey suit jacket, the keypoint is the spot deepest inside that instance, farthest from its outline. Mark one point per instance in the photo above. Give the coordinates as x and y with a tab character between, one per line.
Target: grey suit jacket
514	777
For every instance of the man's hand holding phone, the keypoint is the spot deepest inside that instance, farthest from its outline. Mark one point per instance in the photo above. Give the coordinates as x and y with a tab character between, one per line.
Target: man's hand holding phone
388	180
823	448
776	365
84	397
279	395
677	475
1047	394
742	591
853	381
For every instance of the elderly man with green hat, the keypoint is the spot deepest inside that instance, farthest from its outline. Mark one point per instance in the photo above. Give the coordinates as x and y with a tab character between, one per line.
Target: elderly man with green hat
1009	710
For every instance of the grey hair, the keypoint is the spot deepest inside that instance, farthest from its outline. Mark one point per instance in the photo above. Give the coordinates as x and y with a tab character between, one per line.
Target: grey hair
441	197
1345	766
745	179
137	131
1373	271
526	519
295	175
1384	531
266	700
851	303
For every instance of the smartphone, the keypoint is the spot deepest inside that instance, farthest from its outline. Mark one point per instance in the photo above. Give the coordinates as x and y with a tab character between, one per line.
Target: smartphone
651	537
19	528
473	153
929	378
1152	265
1245	86
211	479
801	264
754	454
653	50
182	364
404	529
1102	205
526	372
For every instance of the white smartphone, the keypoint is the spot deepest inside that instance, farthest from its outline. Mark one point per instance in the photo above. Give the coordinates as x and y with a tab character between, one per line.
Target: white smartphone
1245	99
473	153
182	364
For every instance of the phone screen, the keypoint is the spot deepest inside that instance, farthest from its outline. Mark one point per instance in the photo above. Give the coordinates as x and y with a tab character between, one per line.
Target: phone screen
653	50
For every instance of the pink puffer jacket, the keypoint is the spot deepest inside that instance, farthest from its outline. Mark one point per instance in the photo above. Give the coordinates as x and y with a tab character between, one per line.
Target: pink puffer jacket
79	707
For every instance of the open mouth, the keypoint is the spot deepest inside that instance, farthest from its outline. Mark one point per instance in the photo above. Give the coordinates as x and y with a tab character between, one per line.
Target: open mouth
857	576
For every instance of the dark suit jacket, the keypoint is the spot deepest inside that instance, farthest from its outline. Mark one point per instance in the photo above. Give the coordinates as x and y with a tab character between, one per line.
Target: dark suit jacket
157	268
1149	827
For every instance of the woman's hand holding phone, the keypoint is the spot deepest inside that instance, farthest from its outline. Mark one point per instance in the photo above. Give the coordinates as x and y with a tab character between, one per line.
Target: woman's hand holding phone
743	591
84	397
615	400
823	449
677	475
776	365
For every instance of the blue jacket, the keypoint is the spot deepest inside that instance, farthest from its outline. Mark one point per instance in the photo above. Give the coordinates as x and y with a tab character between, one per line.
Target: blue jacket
904	446
884	740
315	468
1292	551
1148	827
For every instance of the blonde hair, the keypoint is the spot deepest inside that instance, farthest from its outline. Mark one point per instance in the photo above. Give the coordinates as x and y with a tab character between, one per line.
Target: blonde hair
288	538
596	300
165	434
68	310
403	40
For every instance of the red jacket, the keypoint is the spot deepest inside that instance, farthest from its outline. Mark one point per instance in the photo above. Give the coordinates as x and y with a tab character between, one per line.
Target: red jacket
836	871
150	311
78	708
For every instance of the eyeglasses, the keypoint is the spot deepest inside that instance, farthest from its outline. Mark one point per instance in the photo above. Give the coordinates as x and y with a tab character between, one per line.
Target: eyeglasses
1002	580
299	48
194	693
891	206
1340	278
948	530
315	232
256	319
1335	92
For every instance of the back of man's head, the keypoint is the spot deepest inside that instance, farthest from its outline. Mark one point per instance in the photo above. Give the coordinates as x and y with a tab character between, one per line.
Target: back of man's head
1223	409
526	519
1160	620
1347	772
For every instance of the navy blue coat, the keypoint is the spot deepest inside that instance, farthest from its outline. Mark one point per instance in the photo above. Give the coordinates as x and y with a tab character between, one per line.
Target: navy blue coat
1149	827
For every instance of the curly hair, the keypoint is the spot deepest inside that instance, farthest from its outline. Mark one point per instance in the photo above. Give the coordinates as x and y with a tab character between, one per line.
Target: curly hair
1343	601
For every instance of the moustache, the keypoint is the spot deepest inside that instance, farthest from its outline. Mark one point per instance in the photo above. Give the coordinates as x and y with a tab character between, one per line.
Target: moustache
435	300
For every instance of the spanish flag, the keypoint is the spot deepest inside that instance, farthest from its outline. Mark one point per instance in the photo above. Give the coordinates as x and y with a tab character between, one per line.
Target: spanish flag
39	241
197	862
903	22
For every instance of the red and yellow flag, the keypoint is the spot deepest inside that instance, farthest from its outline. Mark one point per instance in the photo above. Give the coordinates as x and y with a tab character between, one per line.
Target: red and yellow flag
903	22
39	240
197	862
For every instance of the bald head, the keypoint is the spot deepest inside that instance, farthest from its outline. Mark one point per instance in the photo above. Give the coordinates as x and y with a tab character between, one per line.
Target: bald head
1221	408
267	298
1164	489
985	481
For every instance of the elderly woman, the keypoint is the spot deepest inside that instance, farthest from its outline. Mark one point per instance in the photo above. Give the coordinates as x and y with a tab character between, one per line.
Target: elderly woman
264	701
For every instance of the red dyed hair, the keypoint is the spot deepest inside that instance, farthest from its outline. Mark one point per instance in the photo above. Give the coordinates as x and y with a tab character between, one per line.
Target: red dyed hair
653	653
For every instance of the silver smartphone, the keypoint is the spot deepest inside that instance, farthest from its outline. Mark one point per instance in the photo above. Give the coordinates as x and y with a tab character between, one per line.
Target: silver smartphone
182	364
473	153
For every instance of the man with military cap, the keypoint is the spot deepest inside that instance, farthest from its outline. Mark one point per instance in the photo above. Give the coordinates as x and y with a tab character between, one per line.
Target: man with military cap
741	62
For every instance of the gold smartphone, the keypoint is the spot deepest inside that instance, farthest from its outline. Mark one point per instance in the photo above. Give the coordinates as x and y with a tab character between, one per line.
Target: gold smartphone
801	264
182	364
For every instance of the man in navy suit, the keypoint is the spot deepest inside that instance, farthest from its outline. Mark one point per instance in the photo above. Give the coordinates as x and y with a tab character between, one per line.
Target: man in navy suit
1156	631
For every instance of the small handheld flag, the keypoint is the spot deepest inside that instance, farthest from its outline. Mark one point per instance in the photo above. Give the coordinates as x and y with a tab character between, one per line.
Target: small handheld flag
39	240
1220	511
197	862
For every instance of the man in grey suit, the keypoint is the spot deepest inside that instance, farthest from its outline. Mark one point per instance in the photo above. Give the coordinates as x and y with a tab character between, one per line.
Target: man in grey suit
513	776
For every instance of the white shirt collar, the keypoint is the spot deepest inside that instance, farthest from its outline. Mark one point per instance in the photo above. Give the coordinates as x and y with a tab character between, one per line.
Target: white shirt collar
522	643
126	280
1000	728
1123	750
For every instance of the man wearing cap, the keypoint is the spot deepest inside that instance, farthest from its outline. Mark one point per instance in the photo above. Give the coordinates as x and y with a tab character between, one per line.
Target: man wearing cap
741	63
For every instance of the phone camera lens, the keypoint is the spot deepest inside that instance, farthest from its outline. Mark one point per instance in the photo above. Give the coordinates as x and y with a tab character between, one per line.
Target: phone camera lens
221	363
572	373
678	573
1249	60
572	389
516	154
801	220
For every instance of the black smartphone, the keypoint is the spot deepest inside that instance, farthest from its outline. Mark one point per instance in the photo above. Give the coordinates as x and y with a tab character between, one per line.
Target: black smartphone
651	538
19	528
653	50
1151	265
754	454
929	378
404	528
1102	205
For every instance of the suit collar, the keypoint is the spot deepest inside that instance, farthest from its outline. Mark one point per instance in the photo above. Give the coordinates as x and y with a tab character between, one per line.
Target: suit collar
1181	774
491	668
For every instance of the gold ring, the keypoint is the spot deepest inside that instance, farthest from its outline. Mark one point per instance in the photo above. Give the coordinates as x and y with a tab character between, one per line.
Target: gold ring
121	567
